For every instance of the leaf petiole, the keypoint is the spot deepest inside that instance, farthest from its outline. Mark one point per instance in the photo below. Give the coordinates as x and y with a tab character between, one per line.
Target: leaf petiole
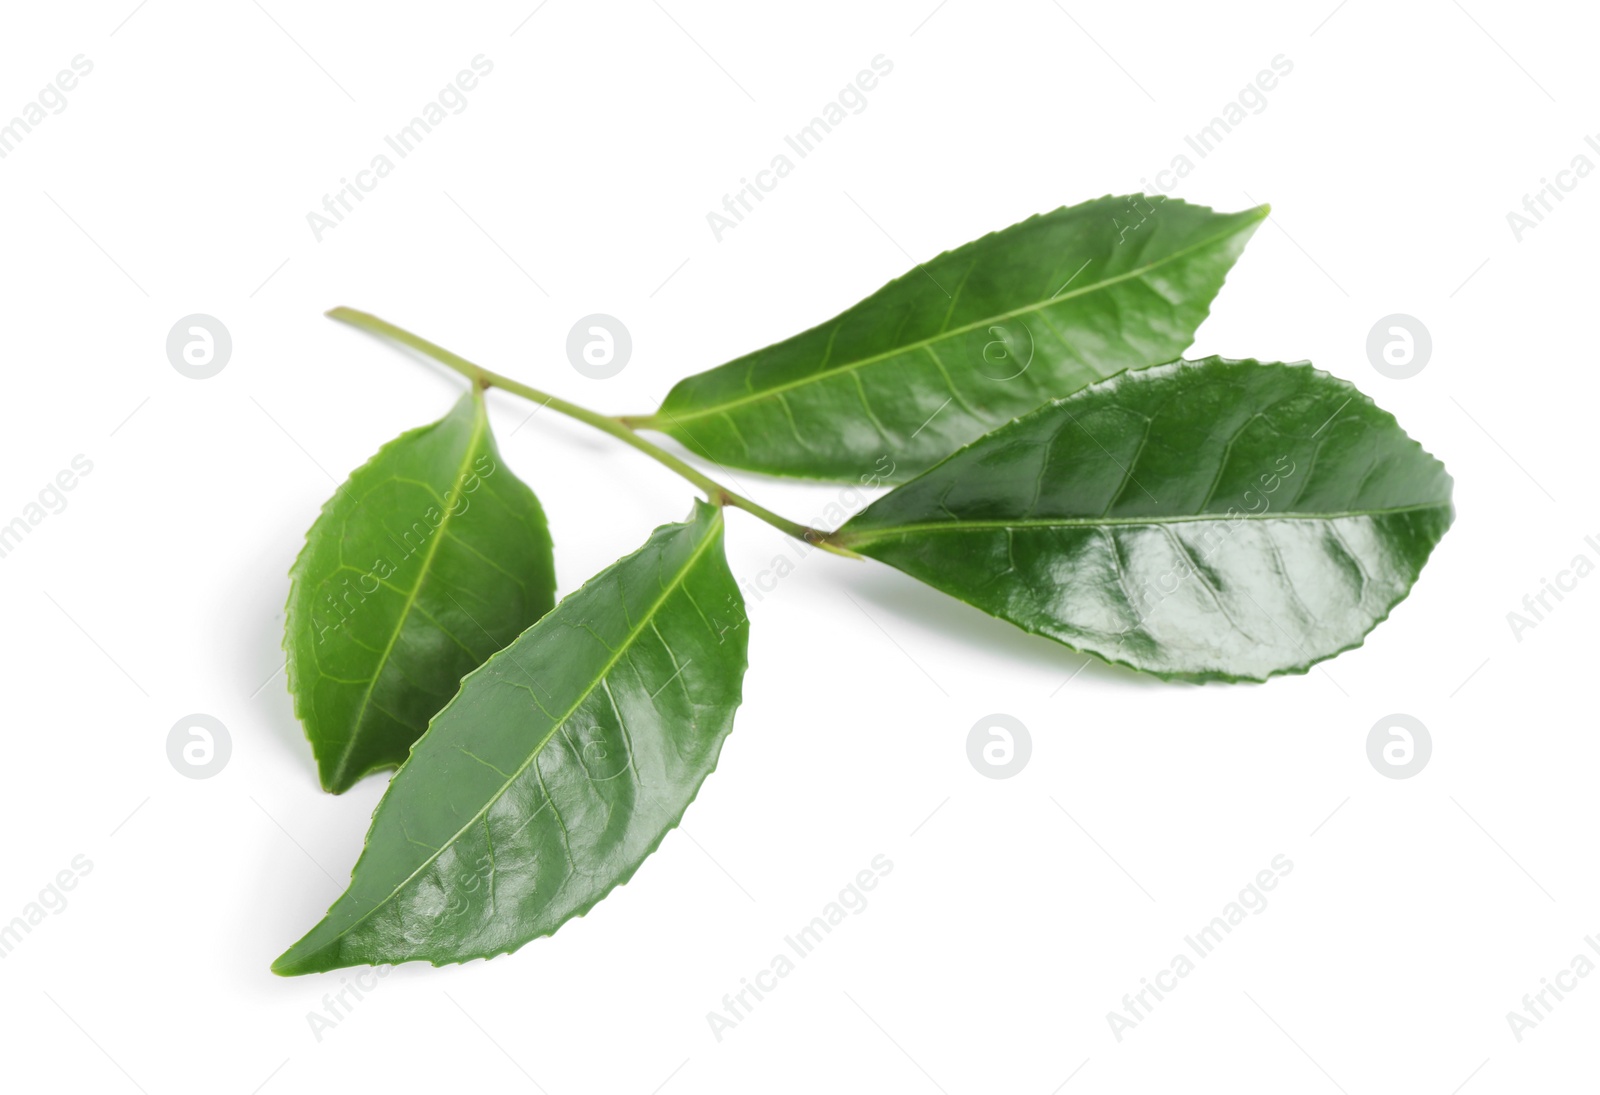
716	493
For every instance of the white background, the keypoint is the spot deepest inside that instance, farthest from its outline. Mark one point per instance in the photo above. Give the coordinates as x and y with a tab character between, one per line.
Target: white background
178	179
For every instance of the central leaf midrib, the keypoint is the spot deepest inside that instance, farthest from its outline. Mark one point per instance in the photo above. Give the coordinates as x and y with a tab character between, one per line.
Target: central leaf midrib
869	534
555	725
911	347
479	422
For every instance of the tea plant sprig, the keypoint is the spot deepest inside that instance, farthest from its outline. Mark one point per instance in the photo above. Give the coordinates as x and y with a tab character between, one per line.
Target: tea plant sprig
1058	466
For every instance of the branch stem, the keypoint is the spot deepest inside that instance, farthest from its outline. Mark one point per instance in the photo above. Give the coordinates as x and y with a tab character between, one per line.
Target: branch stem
715	492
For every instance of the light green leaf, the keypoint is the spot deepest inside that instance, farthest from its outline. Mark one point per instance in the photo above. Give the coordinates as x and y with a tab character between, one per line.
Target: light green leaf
559	767
1210	520
966	342
431	557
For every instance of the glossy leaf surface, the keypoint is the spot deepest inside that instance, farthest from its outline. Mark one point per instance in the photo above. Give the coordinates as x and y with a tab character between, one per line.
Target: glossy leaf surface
431	557
1210	520
966	342
562	763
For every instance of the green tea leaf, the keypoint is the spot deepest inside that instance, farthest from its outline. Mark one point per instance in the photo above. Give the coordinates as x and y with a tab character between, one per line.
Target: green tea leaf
1209	520
562	763
431	557
966	342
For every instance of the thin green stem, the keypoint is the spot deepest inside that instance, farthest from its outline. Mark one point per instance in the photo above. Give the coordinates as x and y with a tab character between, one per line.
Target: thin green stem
716	493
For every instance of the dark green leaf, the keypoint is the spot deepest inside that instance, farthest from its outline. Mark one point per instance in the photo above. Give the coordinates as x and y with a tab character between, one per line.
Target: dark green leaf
431	557
562	763
1211	520
966	342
